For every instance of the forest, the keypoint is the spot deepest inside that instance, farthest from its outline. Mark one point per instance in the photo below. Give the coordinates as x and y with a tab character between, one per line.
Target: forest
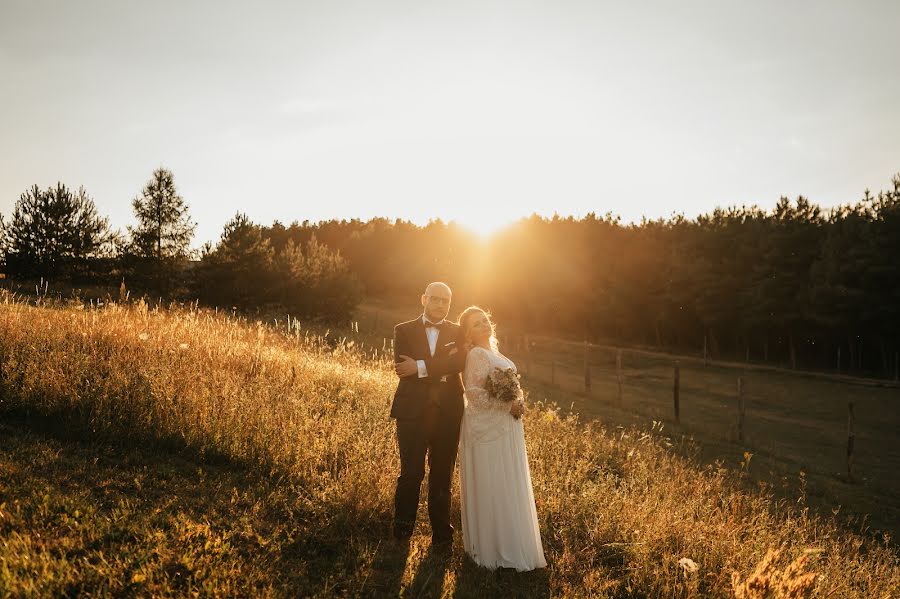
798	285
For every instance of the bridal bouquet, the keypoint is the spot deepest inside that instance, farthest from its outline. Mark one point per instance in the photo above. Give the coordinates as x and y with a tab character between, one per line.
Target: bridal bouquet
503	383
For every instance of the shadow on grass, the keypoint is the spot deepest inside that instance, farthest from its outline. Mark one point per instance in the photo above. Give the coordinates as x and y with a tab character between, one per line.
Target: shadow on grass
430	574
473	580
117	518
108	518
388	569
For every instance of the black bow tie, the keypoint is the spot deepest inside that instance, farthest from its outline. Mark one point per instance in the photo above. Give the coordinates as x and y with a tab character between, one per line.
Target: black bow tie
438	325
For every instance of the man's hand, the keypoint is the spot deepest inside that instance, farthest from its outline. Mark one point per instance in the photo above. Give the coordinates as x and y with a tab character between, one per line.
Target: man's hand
406	367
517	409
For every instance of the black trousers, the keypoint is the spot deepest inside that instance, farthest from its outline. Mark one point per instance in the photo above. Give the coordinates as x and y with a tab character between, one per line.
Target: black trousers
436	435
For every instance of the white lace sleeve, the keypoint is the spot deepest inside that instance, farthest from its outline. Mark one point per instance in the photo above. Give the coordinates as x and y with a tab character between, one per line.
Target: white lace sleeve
478	366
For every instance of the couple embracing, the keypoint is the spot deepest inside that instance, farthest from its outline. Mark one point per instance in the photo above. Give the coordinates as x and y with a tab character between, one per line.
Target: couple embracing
499	519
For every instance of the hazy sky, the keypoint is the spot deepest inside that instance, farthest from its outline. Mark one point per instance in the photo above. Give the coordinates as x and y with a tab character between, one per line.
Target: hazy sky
479	112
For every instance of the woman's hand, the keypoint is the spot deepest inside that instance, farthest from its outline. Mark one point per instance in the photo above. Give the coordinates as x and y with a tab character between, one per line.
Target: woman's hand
517	409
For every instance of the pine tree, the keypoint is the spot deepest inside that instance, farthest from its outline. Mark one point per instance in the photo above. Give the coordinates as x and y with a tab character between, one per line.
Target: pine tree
53	231
161	240
239	271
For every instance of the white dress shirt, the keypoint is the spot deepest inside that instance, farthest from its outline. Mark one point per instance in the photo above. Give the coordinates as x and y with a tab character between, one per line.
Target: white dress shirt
432	334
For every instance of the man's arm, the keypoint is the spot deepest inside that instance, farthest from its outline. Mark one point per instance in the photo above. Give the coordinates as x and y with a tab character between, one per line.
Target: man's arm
453	363
396	344
404	366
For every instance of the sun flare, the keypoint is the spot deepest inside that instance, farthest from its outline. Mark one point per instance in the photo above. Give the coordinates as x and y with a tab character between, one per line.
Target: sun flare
484	224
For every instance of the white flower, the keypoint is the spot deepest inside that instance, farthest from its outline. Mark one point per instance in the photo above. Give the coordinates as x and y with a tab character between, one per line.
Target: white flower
144	336
688	565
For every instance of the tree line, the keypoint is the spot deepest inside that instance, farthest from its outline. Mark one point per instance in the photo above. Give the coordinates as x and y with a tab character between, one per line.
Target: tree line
796	285
56	234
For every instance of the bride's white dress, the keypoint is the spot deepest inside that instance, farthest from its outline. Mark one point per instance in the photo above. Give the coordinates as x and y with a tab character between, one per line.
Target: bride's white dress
499	519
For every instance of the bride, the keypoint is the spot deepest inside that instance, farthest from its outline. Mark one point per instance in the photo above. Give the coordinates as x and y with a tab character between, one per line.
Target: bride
499	519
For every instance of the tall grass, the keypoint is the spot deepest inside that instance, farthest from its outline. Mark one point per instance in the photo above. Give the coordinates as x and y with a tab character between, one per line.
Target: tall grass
620	514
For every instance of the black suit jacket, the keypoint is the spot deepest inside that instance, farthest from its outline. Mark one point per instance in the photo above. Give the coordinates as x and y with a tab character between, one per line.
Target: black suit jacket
414	393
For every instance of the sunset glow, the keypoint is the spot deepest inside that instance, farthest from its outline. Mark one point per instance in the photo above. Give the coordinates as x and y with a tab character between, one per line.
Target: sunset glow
458	111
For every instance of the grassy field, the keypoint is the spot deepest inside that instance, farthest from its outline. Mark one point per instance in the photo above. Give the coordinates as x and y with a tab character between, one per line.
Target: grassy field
795	423
171	453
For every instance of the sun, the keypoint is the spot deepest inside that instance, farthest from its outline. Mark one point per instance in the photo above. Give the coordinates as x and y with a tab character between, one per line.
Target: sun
484	224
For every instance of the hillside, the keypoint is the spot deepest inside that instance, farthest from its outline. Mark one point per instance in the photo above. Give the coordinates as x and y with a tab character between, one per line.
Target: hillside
170	452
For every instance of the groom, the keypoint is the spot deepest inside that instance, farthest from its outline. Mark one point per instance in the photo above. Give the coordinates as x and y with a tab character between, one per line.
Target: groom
429	354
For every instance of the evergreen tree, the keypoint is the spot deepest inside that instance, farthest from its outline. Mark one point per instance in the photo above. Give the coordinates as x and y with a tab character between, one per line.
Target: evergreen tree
54	232
239	271
316	282
161	240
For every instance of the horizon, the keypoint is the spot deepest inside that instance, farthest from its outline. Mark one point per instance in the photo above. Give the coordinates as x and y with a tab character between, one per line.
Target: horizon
477	114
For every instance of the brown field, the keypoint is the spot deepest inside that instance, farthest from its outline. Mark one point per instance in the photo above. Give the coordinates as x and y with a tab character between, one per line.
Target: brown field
173	453
794	422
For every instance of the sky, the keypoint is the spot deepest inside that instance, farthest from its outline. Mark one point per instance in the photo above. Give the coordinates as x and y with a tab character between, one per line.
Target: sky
479	112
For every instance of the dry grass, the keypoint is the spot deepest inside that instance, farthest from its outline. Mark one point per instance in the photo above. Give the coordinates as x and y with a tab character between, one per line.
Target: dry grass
307	420
795	426
768	580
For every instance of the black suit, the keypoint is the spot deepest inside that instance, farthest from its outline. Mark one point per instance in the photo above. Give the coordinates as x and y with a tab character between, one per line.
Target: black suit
428	411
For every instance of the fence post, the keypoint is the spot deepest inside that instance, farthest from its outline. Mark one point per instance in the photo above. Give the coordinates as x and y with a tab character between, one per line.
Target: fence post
850	440
619	373
587	367
740	429
675	393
